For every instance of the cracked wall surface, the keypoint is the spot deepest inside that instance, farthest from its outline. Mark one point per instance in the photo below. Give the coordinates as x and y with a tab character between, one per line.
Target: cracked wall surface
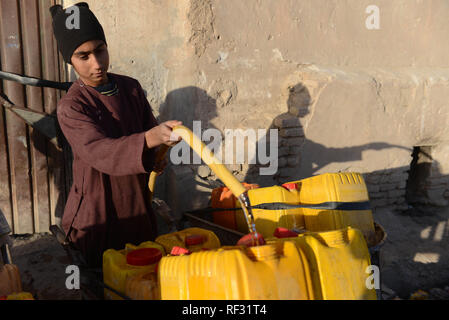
344	98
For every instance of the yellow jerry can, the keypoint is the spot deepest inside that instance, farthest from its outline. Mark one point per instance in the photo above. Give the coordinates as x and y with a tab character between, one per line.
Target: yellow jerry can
271	272
268	220
120	266
338	262
193	239
18	296
341	188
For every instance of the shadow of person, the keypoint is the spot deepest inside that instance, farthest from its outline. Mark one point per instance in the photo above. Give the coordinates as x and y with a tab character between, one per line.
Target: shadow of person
53	144
187	182
298	156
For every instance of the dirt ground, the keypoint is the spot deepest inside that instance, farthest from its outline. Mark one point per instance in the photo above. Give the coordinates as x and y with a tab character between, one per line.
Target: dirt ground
414	256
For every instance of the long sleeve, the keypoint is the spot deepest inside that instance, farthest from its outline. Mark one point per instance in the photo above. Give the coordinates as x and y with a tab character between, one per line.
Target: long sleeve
113	156
149	121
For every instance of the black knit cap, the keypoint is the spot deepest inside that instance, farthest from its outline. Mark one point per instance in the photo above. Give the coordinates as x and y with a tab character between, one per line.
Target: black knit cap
70	39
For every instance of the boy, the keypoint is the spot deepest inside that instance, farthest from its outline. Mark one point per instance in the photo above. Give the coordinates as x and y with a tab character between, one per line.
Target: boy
114	137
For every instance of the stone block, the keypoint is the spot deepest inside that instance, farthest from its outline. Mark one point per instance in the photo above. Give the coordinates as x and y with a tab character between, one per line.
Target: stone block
293	161
283	151
387	187
294	150
282	162
287	120
372	188
377	203
291	132
291	142
377	195
396	194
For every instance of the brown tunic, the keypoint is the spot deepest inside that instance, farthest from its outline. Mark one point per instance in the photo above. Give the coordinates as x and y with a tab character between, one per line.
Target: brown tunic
108	204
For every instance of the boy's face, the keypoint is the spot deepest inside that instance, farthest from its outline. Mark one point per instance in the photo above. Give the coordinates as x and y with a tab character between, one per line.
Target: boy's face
91	62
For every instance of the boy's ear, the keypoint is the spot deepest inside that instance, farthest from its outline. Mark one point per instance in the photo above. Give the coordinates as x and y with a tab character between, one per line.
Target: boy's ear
54	10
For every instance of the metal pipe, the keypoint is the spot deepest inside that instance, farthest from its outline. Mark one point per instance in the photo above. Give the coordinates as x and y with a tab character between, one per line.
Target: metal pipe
36	82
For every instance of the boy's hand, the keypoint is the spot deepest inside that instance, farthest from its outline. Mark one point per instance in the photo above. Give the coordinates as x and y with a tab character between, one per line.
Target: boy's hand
162	134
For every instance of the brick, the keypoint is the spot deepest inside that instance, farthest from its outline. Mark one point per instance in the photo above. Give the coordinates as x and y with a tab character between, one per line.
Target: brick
282	162
378	203
401	185
391	201
400	200
377	195
397	177
292	142
287	120
291	132
373	188
283	151
372	178
396	193
293	161
294	150
387	187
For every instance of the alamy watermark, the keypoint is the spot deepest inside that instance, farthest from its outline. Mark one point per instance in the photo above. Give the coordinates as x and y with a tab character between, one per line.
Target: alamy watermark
373	280
72	282
255	151
73	20
372	22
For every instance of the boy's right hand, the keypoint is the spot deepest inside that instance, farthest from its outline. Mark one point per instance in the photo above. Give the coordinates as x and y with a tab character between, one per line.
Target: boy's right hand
162	134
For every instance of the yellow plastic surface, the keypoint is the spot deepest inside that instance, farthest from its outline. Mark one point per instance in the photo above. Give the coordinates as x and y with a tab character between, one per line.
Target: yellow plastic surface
143	287
336	187
338	261
116	272
20	296
268	220
270	272
208	157
177	239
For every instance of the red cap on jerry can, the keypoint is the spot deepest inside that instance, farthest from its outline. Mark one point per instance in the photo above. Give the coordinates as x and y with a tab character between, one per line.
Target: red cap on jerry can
284	233
290	186
195	239
143	257
251	240
177	251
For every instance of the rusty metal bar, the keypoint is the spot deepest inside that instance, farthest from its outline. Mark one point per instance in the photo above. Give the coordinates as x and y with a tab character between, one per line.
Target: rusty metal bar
11	52
35	82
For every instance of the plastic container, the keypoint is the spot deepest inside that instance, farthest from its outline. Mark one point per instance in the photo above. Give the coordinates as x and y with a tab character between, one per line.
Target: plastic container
270	272
9	279
193	239
120	266
338	261
143	287
223	198
268	220
336	187
18	296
